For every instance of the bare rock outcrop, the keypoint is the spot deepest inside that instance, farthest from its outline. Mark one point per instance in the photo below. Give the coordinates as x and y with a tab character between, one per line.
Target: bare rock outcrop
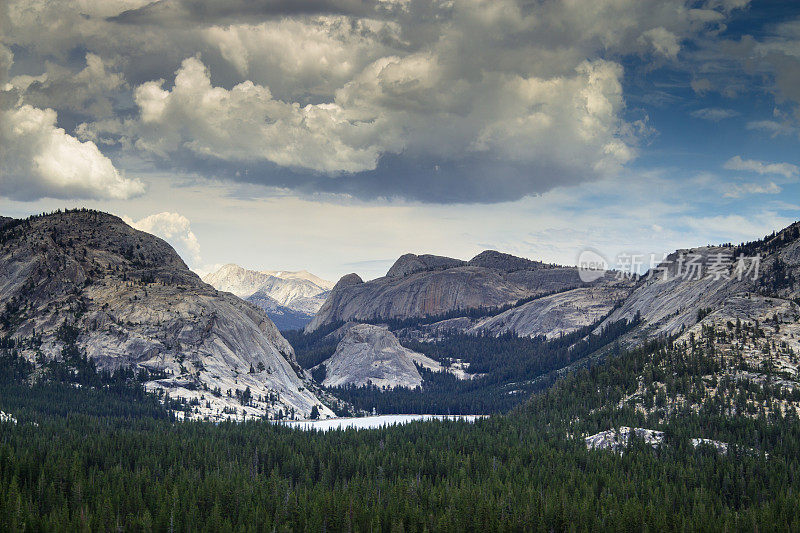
669	300
369	354
411	263
557	314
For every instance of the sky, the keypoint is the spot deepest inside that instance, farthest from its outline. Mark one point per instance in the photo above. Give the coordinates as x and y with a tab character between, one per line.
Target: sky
336	135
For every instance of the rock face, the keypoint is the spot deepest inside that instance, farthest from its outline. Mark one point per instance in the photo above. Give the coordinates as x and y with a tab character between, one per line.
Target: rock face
372	354
672	299
290	299
134	303
618	440
669	301
557	314
410	263
420	286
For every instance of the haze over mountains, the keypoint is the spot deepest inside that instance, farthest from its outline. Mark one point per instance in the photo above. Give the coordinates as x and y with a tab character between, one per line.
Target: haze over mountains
289	298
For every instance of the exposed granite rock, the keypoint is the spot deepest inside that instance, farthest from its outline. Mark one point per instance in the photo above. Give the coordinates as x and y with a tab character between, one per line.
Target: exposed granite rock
558	314
297	296
371	354
669	301
284	317
618	440
424	293
410	263
136	304
348	280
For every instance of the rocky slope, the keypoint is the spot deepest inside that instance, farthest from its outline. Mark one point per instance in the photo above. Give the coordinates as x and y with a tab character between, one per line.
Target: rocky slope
557	314
700	280
290	299
126	299
427	285
369	354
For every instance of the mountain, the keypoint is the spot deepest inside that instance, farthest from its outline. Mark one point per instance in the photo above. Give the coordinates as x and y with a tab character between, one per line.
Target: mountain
284	317
672	299
557	314
517	325
81	285
419	286
370	354
289	298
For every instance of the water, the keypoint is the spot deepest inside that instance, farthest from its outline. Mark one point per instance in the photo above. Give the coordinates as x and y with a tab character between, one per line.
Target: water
370	422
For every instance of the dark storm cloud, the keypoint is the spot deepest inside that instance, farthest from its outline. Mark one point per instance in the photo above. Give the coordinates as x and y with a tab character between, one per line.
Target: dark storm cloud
469	180
183	12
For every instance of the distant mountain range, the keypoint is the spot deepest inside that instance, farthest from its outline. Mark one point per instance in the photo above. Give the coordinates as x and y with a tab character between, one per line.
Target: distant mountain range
290	299
428	286
515	325
435	334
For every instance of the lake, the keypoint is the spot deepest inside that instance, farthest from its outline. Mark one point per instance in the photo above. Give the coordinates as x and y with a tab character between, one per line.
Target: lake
370	422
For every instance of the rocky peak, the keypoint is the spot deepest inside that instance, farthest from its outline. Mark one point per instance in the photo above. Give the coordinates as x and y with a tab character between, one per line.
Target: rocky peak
348	280
409	264
502	261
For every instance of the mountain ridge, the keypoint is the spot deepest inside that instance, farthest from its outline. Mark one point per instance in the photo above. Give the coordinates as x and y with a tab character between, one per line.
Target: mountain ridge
85	282
290	298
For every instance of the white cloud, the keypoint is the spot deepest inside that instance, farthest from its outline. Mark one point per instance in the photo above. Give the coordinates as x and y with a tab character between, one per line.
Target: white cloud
739	190
786	170
247	124
173	228
561	121
39	159
339	88
714	114
773	127
664	42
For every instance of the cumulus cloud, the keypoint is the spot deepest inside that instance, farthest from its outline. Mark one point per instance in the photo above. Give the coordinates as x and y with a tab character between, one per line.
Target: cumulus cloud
182	12
436	101
544	122
173	228
39	159
86	91
246	123
786	170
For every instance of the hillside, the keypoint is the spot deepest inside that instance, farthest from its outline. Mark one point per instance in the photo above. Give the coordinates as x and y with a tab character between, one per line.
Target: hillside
83	285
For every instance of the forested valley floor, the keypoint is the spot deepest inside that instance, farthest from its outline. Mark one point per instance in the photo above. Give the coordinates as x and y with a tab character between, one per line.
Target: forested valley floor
102	455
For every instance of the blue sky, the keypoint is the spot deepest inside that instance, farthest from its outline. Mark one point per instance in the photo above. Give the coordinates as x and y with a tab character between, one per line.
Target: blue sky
337	135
